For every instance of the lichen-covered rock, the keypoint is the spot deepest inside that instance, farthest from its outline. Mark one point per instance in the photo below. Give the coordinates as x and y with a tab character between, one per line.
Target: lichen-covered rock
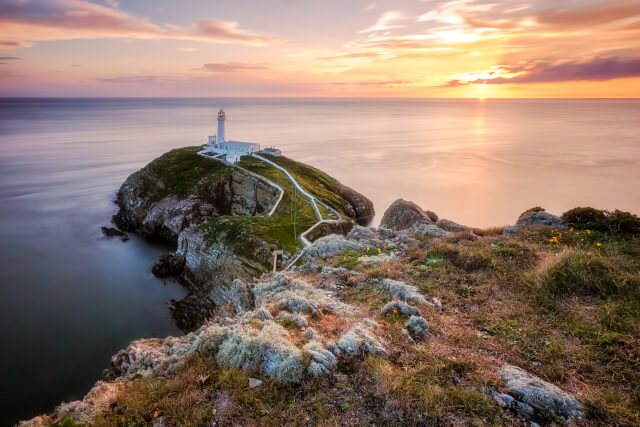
404	215
268	351
294	319
237	295
511	230
401	308
322	360
404	292
360	341
540	217
284	292
431	231
451	226
539	394
417	327
330	245
97	401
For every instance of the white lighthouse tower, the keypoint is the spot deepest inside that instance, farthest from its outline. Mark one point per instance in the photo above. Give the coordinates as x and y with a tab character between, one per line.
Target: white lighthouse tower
229	151
221	119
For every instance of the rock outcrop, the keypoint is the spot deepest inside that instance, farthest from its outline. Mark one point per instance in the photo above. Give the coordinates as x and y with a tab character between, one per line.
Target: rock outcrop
200	205
540	217
528	394
404	215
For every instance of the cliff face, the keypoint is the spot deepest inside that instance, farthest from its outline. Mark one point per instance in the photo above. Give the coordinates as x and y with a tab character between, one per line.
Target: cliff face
218	216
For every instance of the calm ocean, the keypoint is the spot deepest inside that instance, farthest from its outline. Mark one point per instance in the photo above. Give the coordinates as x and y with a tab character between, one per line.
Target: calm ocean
70	298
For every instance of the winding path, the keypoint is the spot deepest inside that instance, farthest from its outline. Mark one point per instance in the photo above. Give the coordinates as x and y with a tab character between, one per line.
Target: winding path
314	202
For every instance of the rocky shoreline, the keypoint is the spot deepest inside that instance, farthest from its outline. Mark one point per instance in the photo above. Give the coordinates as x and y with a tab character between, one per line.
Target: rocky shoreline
418	322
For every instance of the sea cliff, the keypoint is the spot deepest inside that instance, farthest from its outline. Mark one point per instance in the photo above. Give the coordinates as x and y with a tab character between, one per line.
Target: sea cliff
422	321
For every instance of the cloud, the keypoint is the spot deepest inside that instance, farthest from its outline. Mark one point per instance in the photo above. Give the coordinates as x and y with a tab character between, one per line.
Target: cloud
233	67
8	58
593	69
352	55
384	22
69	19
374	83
224	31
604	13
144	79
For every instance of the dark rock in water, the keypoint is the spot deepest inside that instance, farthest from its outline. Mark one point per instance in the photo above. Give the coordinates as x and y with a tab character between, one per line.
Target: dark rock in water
404	215
168	265
540	217
189	313
114	232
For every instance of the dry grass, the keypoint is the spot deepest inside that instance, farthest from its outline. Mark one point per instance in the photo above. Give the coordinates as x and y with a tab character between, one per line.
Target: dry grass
567	312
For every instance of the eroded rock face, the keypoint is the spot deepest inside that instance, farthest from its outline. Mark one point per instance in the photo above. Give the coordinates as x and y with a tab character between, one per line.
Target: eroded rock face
539	394
234	193
541	218
404	215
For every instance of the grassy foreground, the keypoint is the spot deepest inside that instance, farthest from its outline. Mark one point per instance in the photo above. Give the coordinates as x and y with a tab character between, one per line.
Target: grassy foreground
562	304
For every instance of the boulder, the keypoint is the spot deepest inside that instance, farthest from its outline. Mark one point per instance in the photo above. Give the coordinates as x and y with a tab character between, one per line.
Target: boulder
511	230
431	231
404	215
540	217
401	308
360	341
404	292
539	394
417	327
114	232
451	226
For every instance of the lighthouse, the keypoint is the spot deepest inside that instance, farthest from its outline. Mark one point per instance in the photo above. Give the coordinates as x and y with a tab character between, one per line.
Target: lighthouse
229	151
221	119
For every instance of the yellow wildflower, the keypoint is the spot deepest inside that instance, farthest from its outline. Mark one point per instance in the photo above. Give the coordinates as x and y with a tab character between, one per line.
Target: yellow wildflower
588	231
395	311
582	240
367	249
379	250
344	259
599	244
571	229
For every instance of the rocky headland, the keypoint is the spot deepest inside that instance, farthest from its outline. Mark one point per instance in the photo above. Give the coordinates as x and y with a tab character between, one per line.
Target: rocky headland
422	321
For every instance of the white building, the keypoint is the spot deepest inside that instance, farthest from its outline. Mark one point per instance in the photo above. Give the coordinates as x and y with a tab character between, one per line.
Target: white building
272	151
232	150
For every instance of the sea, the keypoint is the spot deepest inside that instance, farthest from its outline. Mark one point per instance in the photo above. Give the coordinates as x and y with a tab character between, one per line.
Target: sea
70	297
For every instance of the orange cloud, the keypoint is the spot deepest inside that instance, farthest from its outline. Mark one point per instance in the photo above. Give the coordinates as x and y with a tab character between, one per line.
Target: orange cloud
69	19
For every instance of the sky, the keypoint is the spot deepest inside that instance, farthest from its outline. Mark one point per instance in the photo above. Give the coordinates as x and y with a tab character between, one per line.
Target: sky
311	48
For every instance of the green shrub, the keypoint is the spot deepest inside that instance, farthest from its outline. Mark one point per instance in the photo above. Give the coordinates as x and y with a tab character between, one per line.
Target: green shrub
67	422
587	218
624	223
616	222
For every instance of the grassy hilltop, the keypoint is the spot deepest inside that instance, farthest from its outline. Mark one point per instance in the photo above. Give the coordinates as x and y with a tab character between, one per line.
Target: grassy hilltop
561	304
